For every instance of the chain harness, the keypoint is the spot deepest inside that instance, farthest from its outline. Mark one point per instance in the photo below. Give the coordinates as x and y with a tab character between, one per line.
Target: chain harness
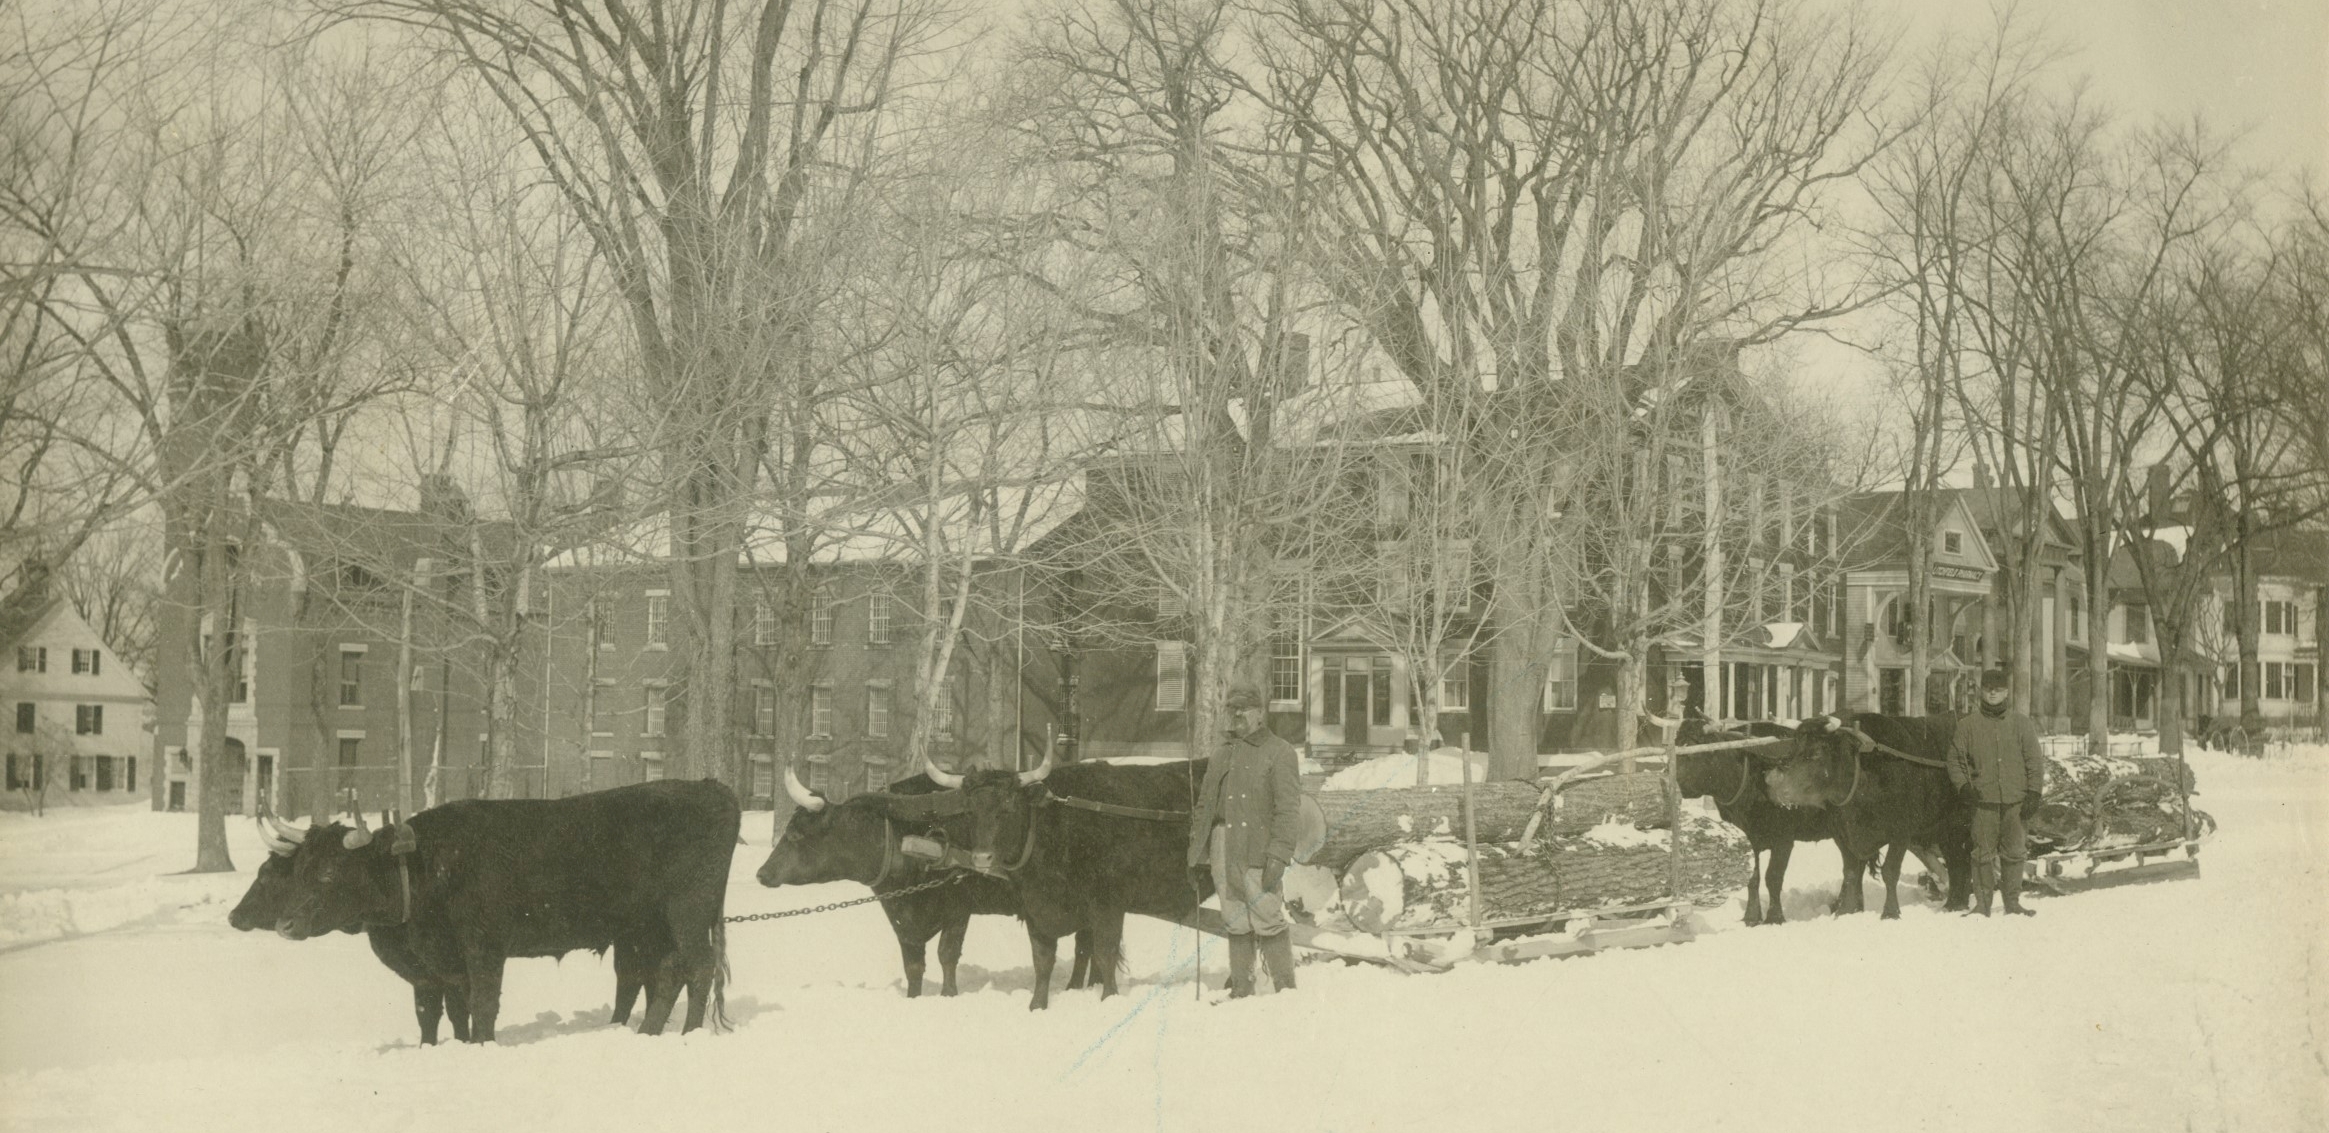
829	906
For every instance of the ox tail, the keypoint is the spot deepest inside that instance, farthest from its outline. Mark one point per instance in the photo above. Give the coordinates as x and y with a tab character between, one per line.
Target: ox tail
718	1016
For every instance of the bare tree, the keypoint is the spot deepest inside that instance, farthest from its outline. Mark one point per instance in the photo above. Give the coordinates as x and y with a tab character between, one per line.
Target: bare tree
1161	242
707	148
1534	202
218	312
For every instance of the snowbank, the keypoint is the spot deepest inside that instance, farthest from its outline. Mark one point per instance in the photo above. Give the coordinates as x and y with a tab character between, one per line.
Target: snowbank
1445	766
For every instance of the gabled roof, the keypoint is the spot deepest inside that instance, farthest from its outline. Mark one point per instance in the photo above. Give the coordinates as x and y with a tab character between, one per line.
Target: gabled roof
1991	506
19	618
1875	527
2300	554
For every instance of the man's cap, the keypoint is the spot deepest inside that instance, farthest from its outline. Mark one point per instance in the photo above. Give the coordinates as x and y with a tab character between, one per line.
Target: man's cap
1245	696
1995	678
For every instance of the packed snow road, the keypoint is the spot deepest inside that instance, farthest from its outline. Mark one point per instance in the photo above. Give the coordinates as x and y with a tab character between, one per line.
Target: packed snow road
127	1003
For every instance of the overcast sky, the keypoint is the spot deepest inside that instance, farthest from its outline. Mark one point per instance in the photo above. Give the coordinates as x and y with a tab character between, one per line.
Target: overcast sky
2259	65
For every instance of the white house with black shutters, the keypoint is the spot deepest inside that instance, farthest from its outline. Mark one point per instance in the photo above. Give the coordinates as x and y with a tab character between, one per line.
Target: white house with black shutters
77	716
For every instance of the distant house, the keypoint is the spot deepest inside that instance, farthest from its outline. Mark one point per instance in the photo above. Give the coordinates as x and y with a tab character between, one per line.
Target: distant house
78	717
1340	669
313	713
2291	604
609	703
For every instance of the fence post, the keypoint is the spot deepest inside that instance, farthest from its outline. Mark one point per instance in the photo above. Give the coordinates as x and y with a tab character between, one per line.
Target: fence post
1471	831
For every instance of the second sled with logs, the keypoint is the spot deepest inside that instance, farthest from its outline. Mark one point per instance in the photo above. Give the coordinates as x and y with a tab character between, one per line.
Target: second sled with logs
1510	906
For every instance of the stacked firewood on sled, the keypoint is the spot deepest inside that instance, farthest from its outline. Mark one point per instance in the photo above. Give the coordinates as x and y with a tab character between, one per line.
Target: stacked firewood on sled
1396	859
2097	802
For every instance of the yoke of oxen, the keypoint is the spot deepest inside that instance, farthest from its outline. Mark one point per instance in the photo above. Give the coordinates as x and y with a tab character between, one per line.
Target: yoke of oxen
1820	767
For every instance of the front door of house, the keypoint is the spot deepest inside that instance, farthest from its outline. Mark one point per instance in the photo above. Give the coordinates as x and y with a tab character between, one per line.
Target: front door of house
1355	682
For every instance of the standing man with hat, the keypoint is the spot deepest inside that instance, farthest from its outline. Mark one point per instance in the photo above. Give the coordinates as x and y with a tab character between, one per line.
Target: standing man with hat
1997	768
1244	824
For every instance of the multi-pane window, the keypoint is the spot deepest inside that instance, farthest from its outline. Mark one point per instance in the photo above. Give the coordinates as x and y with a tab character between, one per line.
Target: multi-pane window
821	709
27	717
1172	676
77	771
89	719
763	712
86	662
657	696
2280	618
1892	691
942	711
650	766
1561	678
821	617
32	659
351	677
820	776
877	618
1455	687
2138	619
351	751
602	708
763	623
2286	680
602	628
1952	542
1285	668
877	709
658	617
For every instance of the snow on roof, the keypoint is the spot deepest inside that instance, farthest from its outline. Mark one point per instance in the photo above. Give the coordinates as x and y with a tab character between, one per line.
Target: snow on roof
1018	516
1783	634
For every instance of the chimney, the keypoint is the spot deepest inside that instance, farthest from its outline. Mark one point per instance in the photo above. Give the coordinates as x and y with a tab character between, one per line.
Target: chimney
2160	493
1980	473
1294	362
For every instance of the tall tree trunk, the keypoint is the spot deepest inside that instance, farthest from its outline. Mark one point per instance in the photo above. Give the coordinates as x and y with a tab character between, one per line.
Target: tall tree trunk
2098	639
1711	552
2247	616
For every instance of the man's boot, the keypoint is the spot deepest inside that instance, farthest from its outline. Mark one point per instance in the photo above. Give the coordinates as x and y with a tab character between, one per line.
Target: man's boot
1278	954
1981	906
1240	965
2012	883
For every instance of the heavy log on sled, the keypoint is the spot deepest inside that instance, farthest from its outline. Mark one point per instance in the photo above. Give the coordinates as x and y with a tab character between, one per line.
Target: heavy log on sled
1359	821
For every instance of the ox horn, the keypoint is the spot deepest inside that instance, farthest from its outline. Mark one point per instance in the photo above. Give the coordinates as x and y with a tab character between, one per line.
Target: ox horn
291	835
280	847
359	837
800	794
946	779
1041	772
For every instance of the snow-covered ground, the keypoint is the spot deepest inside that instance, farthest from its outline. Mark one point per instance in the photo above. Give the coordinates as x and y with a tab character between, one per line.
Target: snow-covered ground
127	1003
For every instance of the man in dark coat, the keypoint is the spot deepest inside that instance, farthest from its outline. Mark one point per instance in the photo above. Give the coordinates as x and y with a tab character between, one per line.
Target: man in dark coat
1995	762
1244	825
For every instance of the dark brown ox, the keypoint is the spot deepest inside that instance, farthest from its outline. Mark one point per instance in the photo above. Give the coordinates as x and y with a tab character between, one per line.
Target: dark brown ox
863	838
1083	845
1883	782
437	997
1734	780
642	869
